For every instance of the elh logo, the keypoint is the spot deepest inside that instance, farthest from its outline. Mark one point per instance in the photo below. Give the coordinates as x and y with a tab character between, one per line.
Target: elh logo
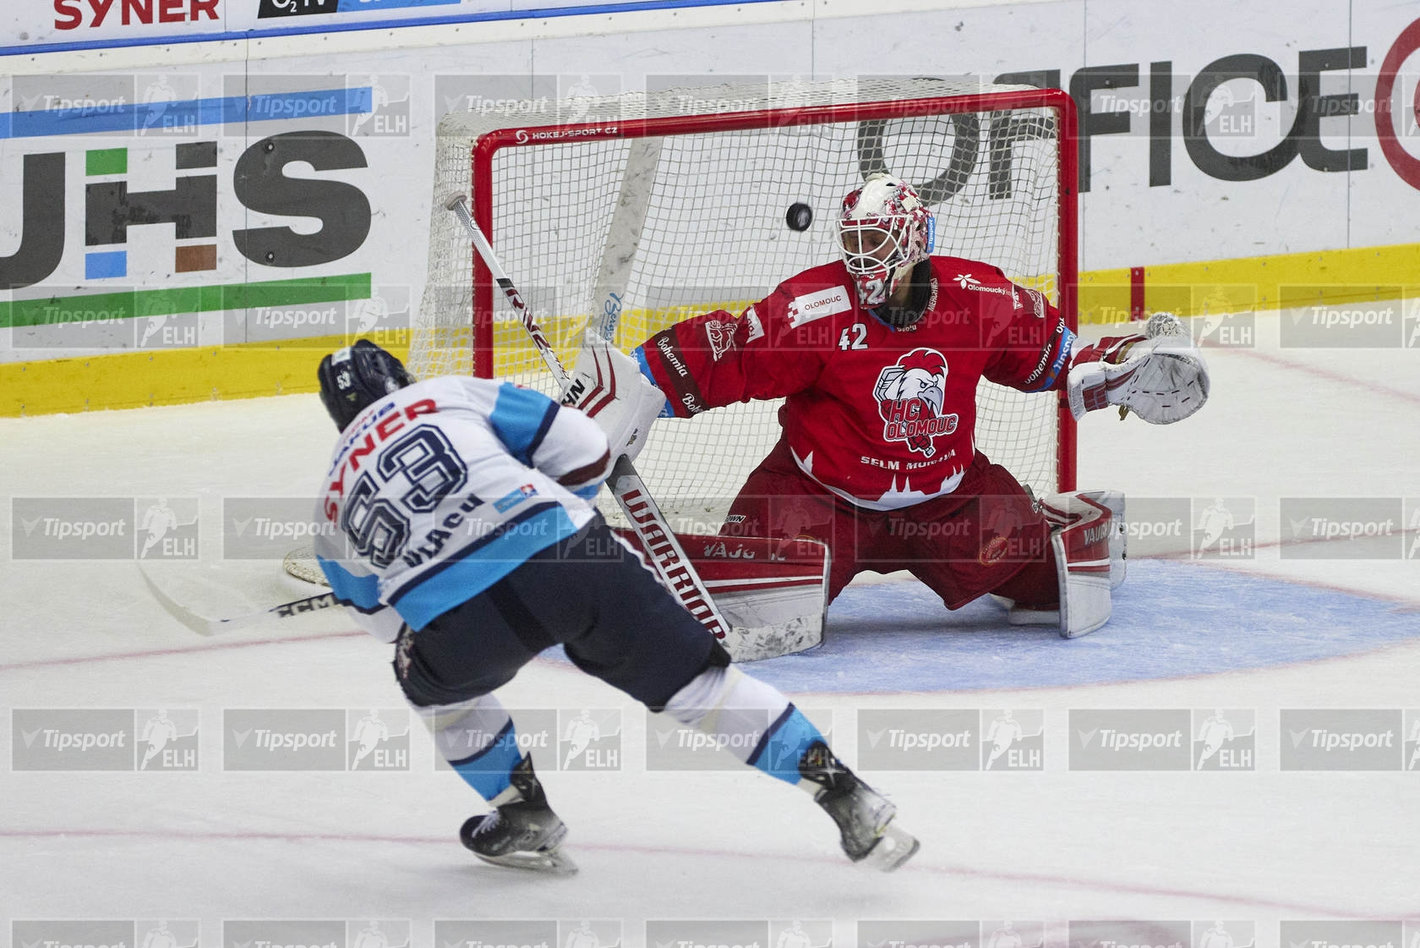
389	106
1225	934
1225	330
169	933
801	933
167	739
1012	739
378	933
590	933
1012	934
1225	739
378	739
167	528
1411	755
1225	528
589	739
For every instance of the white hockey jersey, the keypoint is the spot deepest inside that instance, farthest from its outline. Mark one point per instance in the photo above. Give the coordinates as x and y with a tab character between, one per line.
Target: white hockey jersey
439	490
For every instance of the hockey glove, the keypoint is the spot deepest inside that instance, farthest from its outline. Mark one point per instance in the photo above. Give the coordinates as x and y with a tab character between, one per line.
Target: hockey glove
1160	375
608	386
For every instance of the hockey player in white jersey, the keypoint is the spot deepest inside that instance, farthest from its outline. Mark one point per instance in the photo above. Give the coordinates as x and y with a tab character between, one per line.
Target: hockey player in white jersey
466	536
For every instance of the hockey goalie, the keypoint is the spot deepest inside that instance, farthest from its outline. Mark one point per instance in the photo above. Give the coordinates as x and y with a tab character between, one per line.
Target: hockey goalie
878	356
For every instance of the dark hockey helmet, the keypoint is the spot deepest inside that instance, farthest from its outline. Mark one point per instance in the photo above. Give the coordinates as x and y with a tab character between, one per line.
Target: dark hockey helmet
353	378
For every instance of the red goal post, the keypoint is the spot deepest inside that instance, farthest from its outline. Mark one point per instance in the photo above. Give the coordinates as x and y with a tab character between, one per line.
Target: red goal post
651	211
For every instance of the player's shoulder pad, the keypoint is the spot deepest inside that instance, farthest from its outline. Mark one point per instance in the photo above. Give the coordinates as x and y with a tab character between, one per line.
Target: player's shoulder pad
979	285
815	294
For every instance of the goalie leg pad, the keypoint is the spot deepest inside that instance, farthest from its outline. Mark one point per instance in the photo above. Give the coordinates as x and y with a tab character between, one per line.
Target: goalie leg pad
1088	539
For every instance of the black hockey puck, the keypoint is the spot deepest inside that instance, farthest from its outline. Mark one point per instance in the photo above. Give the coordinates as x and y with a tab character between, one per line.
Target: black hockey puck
799	216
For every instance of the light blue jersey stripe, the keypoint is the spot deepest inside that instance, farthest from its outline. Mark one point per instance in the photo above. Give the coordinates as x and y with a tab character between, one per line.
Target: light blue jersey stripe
784	744
520	419
640	354
489	772
363	592
484	563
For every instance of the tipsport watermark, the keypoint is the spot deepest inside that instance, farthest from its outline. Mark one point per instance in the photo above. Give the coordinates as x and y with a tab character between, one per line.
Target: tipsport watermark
1391	323
319	101
1345	528
497	933
557	739
104	528
724	933
923	933
699	94
1112	933
383	315
1357	933
105	933
993	739
1205	528
742	735
316	933
268	528
120	319
1358	739
146	104
320	739
148	740
1163	739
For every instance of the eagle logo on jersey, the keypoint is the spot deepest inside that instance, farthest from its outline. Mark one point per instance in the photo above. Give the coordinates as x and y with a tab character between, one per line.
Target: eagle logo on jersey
910	396
721	337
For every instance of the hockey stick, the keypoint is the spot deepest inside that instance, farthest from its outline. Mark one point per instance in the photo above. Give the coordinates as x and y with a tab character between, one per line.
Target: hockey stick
205	626
672	565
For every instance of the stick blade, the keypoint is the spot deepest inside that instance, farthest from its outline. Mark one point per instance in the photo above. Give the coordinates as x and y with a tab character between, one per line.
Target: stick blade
195	622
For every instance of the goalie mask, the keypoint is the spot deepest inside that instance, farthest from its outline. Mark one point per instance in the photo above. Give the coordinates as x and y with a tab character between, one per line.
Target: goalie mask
356	377
884	230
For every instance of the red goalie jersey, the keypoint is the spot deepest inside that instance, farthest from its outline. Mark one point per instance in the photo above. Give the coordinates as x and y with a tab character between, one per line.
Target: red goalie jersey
880	416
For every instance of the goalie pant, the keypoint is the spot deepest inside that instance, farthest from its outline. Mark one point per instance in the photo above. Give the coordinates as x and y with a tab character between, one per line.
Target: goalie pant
985	537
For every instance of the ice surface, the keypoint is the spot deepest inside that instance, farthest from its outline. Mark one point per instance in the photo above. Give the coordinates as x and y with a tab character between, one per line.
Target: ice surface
1267	634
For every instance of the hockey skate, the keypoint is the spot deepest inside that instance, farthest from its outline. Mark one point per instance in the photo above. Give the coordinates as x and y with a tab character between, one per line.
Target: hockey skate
521	832
864	817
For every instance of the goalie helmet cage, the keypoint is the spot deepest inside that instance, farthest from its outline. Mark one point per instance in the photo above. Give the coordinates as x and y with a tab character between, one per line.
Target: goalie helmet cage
639	210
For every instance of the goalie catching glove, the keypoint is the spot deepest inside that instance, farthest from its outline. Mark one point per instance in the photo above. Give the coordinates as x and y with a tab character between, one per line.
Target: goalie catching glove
608	386
1160	375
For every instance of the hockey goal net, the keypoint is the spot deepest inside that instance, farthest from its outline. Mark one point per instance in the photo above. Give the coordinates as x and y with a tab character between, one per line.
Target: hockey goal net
654	207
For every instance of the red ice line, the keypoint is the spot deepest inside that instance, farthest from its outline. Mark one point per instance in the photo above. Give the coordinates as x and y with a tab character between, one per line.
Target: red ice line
1070	882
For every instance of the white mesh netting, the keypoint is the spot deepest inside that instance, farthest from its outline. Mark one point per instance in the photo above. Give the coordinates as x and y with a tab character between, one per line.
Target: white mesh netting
678	224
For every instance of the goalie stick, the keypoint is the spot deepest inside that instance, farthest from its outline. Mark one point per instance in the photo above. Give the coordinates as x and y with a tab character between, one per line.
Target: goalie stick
205	626
672	565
